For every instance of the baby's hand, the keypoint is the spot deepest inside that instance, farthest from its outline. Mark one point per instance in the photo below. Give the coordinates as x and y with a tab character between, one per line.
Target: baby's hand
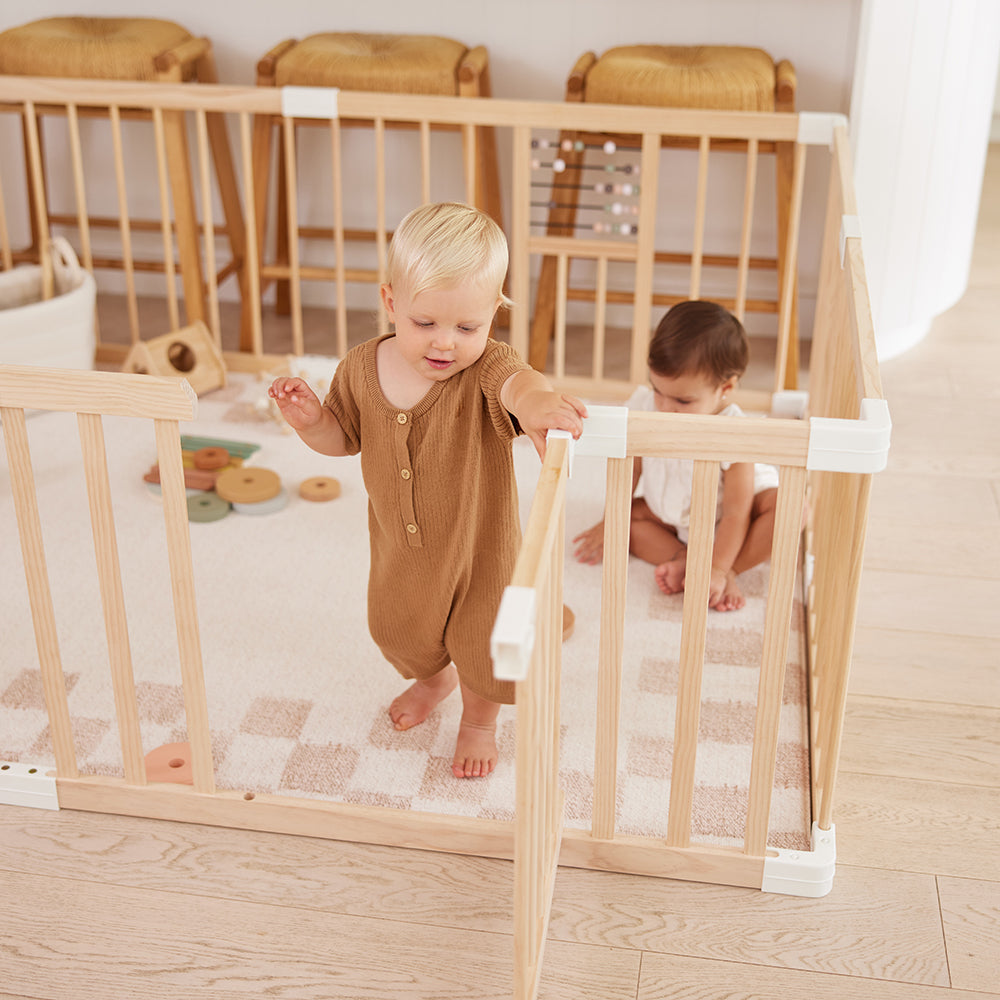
590	545
544	411
299	405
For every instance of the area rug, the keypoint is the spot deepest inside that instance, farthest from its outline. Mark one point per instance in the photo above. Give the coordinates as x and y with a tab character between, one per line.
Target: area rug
298	693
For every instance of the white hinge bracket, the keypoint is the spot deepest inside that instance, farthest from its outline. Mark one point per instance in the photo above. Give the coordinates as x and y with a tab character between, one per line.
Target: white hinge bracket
309	102
862	445
803	873
512	640
27	785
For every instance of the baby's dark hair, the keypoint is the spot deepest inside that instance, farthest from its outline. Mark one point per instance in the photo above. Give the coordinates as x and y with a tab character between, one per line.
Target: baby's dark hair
699	337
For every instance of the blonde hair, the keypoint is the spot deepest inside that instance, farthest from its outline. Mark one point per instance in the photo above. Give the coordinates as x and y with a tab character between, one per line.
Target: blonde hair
443	244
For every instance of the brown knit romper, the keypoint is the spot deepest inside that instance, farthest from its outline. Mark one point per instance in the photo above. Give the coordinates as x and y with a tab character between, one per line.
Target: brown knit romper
442	512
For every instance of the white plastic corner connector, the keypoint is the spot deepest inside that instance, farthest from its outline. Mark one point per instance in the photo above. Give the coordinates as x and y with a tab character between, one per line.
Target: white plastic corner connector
816	127
789	404
309	102
27	785
803	873
513	638
851	445
850	228
605	432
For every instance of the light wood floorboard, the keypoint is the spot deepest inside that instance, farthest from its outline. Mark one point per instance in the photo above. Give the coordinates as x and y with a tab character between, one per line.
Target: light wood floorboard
122	908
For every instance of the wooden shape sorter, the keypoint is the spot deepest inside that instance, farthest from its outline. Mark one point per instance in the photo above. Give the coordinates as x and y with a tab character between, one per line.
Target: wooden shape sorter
190	353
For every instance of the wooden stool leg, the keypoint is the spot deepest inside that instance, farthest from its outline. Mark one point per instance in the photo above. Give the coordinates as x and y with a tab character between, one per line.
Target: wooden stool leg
261	155
32	195
282	289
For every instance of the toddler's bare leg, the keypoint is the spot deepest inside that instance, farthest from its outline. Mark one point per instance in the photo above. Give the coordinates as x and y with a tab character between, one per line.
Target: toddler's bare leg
757	545
421	698
657	543
476	747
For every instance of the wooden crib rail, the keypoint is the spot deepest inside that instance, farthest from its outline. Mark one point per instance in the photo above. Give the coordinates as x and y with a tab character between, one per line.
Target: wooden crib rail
92	395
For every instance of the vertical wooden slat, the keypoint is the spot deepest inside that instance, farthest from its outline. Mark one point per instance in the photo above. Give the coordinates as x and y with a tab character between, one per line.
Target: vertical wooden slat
520	233
173	310
600	318
783	378
40	209
617	515
469	149
95	465
701	199
211	269
559	340
79	192
777	623
337	179
168	448
743	266
380	216
22	484
6	257
645	253
692	653
295	274
252	246
425	161
123	223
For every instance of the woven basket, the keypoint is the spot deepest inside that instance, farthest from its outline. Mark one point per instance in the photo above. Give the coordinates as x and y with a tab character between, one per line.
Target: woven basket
56	332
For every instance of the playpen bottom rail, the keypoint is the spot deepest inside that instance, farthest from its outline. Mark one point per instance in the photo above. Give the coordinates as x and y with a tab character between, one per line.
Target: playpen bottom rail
471	836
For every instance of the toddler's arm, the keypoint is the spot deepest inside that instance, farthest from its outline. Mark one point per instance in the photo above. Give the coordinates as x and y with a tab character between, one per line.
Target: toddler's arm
307	416
731	531
539	408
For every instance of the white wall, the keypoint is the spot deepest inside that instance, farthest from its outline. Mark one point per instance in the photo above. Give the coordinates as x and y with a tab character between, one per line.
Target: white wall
534	43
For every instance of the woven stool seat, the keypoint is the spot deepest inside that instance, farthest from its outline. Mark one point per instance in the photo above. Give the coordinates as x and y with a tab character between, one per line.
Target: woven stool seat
101	48
395	64
722	77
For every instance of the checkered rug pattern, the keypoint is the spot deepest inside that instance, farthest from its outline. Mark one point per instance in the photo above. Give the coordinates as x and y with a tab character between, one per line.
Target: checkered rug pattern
298	693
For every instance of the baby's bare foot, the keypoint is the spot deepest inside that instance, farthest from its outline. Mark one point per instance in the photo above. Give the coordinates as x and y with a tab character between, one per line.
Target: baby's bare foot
475	750
421	698
670	575
732	598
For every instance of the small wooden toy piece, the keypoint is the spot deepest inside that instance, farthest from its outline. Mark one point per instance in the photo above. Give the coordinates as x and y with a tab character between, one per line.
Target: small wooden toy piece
194	479
189	353
236	449
211	457
207	506
319	489
249	484
171	762
569	620
272	506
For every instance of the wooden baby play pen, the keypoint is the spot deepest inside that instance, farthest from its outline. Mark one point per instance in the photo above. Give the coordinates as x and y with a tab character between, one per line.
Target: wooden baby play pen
829	451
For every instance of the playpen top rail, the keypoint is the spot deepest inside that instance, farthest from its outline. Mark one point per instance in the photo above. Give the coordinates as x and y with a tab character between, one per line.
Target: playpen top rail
108	393
617	119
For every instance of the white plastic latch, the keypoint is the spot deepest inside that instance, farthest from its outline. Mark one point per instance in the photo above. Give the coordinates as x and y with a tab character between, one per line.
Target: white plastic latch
790	404
513	638
27	785
851	445
605	432
816	127
309	102
803	873
850	228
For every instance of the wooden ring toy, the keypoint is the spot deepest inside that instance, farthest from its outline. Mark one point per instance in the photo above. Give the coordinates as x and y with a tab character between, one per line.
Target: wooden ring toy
276	503
569	620
249	484
320	488
207	507
211	458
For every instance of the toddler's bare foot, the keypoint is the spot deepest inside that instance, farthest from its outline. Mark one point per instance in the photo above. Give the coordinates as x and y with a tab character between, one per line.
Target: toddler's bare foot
732	598
421	698
475	750
670	575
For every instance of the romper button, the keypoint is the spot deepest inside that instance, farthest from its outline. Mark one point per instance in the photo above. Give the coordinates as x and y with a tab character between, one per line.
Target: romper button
411	528
405	473
401	418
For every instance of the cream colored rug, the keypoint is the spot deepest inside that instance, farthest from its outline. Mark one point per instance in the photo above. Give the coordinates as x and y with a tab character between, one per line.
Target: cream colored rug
298	692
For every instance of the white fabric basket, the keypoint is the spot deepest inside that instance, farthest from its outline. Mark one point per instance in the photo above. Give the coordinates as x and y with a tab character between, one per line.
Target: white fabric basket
56	332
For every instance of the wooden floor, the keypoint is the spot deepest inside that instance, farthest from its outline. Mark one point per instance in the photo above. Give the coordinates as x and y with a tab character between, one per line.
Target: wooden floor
100	908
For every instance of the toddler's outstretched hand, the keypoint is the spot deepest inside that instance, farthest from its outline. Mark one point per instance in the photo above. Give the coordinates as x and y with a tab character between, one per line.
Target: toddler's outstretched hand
590	544
299	405
545	410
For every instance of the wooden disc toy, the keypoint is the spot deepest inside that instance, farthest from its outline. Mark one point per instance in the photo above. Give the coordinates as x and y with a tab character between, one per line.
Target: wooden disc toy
320	488
276	503
171	762
211	458
249	484
207	507
569	620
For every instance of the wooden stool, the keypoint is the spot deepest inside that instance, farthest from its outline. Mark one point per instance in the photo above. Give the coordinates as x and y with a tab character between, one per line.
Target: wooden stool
411	64
716	77
143	49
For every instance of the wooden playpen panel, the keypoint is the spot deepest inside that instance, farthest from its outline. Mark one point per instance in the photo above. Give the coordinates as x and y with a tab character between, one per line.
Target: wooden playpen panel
843	381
